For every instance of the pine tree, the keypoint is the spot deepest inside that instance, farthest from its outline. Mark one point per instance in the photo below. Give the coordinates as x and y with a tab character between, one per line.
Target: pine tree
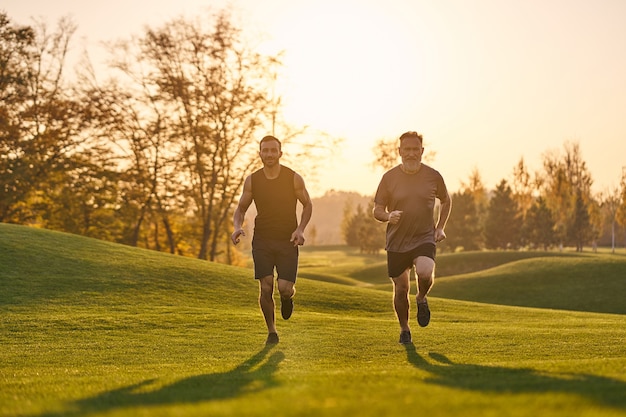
503	223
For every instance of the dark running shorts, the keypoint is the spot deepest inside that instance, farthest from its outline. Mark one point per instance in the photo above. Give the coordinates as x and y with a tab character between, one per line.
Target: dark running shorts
398	262
280	254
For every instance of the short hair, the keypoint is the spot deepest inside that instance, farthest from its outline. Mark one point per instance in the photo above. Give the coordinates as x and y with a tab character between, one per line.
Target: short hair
270	138
411	134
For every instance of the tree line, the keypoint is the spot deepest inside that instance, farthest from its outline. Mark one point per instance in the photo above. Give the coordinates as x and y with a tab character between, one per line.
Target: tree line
152	156
155	154
551	208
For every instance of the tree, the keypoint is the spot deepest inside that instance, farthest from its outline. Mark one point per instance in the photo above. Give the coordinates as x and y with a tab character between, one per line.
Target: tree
132	119
349	224
621	210
523	187
580	230
503	221
82	200
477	189
17	46
385	154
463	230
612	202
361	230
218	91
197	101
609	203
539	225
567	188
597	220
39	120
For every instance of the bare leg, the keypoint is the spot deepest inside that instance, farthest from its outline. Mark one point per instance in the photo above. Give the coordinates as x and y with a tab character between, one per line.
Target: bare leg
425	276
287	291
266	302
286	288
401	287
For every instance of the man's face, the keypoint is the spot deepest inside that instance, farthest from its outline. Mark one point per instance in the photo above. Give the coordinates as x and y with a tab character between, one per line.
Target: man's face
411	152
270	153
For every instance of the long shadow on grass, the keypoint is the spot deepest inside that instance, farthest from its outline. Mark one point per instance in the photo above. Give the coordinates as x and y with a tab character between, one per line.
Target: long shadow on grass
249	377
495	379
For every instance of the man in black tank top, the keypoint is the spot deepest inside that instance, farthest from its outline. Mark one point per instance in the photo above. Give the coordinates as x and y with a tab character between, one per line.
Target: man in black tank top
275	190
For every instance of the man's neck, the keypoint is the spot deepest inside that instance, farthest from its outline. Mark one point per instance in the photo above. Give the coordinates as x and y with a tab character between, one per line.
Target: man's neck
407	171
271	172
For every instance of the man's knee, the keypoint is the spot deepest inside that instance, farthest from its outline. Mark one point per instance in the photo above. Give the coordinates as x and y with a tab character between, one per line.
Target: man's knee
424	274
286	288
266	286
424	268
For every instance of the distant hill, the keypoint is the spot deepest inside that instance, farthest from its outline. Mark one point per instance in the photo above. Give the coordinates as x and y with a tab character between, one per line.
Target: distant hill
328	213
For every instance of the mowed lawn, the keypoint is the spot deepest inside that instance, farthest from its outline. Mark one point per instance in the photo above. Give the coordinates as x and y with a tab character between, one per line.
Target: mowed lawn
93	328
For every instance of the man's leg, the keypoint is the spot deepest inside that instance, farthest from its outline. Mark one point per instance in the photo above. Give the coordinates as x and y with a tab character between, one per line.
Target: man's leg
425	276
287	271
287	290
401	287
266	301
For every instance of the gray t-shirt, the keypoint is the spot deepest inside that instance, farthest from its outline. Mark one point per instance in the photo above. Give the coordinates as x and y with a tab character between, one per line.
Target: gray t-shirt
414	195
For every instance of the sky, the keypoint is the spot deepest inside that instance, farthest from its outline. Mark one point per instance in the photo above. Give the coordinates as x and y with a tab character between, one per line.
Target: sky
486	82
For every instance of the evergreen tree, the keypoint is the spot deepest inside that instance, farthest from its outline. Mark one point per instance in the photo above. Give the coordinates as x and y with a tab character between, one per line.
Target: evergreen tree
580	231
349	225
539	225
463	231
503	222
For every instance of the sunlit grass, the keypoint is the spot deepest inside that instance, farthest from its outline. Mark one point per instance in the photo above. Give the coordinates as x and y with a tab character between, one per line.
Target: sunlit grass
93	328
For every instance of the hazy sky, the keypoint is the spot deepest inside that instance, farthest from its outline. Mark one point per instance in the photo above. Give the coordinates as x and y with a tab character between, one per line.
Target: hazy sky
486	82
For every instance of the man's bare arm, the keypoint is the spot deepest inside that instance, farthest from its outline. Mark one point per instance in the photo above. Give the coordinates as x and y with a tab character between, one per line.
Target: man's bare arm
240	212
302	195
446	207
444	214
381	214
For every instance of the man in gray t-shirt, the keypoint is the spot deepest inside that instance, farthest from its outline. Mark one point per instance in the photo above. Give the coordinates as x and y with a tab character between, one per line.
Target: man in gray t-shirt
405	198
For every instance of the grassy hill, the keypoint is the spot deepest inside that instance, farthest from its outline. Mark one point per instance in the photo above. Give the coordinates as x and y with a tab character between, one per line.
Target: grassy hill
557	280
94	328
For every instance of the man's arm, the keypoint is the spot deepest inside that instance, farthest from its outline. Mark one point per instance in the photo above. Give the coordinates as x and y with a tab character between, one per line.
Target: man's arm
381	214
297	237
240	211
446	207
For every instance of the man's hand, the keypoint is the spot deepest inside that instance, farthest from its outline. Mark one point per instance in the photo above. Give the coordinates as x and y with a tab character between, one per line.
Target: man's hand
235	236
297	237
394	216
439	235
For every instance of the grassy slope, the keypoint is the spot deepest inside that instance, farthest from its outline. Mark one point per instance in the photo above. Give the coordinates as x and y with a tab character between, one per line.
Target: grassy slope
585	282
92	328
568	281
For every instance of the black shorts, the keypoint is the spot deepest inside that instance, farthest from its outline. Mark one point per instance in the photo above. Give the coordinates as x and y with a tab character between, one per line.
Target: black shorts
398	262
280	254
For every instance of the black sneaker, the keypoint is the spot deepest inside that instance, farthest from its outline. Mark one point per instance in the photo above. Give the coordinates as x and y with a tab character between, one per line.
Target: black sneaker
423	313
272	339
286	307
405	337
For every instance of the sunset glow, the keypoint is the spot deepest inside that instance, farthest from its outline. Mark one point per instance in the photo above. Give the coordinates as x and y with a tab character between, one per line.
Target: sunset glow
487	82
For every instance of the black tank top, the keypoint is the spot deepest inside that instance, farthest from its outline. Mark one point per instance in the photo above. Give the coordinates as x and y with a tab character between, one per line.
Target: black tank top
275	202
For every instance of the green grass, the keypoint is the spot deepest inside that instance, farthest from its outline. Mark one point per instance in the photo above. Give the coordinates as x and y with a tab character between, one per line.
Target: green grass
583	282
98	329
